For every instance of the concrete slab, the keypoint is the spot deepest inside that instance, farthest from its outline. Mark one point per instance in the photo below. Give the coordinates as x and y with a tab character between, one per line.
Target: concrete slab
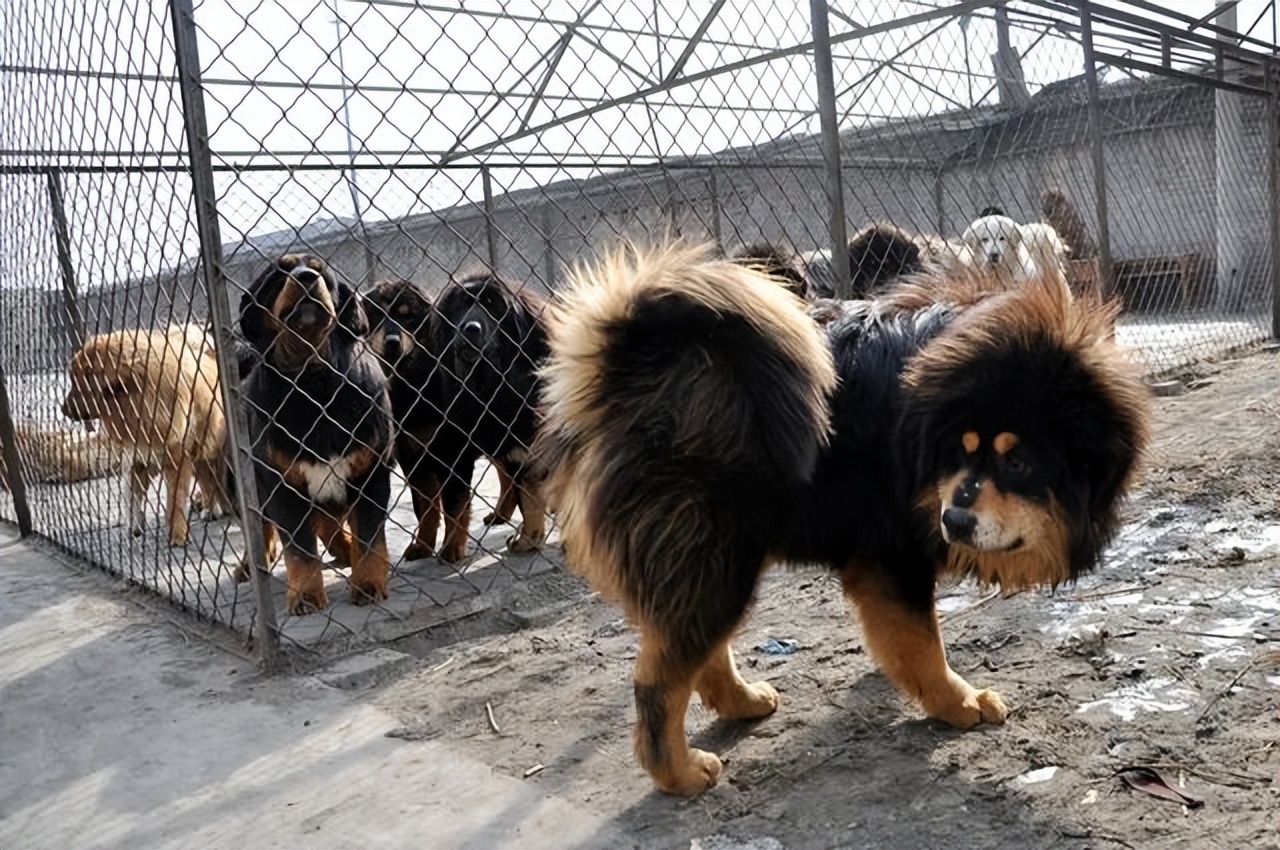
120	729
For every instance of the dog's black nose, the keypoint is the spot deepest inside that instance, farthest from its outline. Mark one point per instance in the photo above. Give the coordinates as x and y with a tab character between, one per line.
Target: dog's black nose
472	330
391	345
305	275
994	258
959	524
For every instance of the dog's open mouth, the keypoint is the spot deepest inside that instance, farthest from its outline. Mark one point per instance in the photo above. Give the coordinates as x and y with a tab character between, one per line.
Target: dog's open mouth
308	313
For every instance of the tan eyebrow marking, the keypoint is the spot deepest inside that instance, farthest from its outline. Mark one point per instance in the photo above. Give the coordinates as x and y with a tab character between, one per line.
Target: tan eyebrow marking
971	441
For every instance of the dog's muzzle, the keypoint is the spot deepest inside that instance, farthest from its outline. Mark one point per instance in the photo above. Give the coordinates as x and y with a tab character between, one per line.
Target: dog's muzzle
308	311
994	258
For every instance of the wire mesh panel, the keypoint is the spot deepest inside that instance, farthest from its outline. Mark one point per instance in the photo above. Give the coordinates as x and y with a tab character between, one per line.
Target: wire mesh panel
396	188
121	445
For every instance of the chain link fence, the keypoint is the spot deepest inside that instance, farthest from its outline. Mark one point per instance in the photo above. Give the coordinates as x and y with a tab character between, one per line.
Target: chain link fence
158	165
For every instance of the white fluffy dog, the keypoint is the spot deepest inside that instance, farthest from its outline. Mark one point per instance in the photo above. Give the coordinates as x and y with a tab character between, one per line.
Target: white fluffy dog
995	244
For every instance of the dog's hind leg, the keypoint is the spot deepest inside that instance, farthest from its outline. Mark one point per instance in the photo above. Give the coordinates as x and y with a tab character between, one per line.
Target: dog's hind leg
904	638
533	517
140	477
687	603
663	685
335	537
270	547
212	485
725	691
508	497
178	474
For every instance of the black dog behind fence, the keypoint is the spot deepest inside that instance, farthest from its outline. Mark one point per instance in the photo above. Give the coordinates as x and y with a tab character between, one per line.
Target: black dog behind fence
291	262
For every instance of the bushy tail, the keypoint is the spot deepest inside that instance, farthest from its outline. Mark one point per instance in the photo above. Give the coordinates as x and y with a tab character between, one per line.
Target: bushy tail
684	397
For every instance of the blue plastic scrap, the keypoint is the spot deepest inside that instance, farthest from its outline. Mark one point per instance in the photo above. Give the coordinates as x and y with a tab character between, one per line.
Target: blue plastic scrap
772	646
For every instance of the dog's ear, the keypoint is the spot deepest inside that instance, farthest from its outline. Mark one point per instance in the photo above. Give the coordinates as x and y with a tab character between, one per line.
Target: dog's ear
350	309
255	318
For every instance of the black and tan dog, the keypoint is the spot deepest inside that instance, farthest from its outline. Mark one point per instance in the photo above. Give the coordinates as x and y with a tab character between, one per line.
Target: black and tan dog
699	427
400	317
490	340
399	333
320	425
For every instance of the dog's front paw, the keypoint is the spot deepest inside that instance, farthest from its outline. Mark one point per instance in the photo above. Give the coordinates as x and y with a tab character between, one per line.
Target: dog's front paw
452	554
303	602
524	542
368	591
417	550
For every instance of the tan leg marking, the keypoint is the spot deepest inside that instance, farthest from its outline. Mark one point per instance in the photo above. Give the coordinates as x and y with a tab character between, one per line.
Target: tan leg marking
456	529
305	583
426	506
335	536
725	691
178	480
508	500
140	477
213	489
908	646
662	698
369	570
270	547
533	516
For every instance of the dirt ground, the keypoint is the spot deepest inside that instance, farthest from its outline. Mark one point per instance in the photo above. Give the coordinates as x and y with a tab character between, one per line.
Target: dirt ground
1165	659
123	727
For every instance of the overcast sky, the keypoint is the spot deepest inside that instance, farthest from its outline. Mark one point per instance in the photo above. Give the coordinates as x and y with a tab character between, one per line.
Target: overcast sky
427	84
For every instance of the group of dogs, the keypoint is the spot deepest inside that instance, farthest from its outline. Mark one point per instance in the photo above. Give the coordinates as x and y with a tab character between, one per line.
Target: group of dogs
338	387
691	421
992	245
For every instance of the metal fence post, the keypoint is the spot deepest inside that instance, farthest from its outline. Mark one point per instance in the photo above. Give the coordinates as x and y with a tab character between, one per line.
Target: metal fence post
62	238
9	453
1272	70
1105	267
830	148
548	247
713	187
486	183
206	212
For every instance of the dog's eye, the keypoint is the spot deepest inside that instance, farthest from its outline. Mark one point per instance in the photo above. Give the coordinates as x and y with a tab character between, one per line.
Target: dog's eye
1014	465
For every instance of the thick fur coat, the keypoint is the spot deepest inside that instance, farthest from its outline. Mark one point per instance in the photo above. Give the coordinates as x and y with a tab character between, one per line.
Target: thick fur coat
699	426
320	426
